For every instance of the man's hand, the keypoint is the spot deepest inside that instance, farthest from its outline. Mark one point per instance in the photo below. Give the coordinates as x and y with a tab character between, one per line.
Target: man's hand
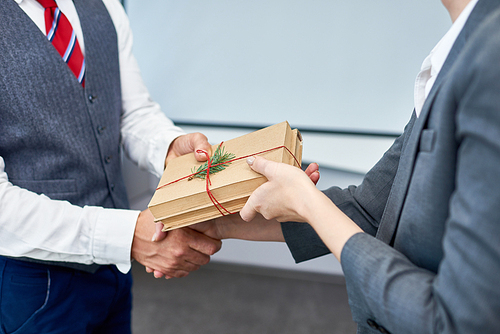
180	252
313	172
191	142
188	143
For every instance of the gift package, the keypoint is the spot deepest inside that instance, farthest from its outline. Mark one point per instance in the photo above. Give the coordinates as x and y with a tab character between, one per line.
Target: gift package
190	191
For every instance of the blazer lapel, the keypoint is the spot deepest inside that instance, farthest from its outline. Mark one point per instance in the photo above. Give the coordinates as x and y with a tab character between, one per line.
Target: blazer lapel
394	206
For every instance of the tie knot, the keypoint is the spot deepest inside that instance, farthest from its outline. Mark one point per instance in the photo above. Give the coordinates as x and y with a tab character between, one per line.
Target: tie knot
47	3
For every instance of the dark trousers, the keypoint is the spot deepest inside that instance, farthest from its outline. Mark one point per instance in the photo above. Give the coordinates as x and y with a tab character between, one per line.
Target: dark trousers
41	299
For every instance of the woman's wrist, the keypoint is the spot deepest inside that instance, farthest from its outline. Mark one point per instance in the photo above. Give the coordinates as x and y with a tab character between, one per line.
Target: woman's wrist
332	225
312	204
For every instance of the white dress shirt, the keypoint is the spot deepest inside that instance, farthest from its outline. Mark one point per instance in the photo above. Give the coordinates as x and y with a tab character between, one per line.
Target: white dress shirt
434	61
35	226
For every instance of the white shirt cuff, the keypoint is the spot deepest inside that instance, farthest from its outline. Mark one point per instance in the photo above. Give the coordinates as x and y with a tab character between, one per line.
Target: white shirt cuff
114	232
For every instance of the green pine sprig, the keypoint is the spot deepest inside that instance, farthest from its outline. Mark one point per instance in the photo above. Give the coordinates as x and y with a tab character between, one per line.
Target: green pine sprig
218	158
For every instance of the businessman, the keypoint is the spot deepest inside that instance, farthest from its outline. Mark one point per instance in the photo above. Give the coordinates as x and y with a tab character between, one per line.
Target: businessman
71	98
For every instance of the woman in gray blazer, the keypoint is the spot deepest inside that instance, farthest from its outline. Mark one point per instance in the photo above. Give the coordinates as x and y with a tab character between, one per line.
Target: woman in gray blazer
419	239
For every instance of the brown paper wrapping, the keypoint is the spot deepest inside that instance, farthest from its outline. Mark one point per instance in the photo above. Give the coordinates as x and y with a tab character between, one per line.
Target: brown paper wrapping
186	202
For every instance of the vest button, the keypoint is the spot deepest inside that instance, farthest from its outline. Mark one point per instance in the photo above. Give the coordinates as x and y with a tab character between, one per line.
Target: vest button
100	129
92	98
112	186
108	159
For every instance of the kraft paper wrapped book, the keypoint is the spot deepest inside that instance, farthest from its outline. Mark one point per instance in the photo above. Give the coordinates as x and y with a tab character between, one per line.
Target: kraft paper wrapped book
181	200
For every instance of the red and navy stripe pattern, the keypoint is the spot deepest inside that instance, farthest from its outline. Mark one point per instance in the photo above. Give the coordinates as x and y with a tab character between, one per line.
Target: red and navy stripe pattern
61	34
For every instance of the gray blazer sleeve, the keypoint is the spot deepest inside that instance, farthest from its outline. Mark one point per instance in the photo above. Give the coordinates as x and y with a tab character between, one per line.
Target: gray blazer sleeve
463	296
364	204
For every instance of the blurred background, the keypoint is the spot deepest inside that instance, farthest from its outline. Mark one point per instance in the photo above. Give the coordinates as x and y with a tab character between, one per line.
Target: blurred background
342	72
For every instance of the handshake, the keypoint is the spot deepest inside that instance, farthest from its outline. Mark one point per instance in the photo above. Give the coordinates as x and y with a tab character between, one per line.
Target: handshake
174	253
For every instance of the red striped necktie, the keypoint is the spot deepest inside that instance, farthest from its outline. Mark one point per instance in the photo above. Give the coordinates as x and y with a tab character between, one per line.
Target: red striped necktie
61	34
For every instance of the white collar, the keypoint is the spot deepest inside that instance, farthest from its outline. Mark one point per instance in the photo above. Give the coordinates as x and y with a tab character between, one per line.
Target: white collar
440	52
432	64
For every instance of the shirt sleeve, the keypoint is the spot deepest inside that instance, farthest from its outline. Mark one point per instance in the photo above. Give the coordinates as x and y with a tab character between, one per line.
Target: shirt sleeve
38	227
146	132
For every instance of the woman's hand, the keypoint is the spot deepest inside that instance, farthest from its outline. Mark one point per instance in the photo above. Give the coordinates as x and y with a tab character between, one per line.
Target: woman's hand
291	195
286	194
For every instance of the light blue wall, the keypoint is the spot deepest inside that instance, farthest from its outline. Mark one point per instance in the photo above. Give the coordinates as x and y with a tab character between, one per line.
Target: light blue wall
342	64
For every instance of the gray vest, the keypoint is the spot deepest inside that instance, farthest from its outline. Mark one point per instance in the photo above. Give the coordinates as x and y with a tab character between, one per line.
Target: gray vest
56	137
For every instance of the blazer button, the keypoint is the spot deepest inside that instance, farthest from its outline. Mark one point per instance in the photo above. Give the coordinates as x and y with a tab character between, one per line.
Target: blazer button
372	324
100	129
383	330
92	98
112	186
108	159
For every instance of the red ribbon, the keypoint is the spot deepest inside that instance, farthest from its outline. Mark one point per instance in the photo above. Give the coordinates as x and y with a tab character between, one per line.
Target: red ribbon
207	178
